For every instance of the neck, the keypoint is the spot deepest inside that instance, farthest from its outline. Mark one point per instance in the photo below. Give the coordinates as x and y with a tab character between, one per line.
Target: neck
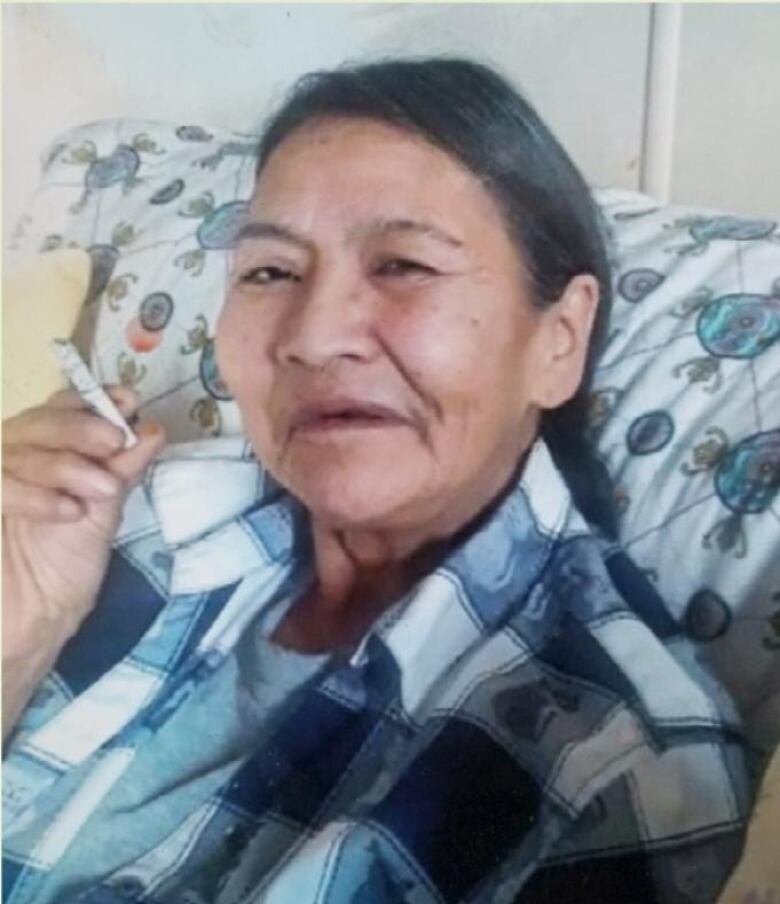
374	568
362	572
371	567
357	579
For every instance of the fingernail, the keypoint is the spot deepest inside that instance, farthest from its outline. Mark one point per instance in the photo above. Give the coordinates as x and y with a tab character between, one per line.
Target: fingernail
150	429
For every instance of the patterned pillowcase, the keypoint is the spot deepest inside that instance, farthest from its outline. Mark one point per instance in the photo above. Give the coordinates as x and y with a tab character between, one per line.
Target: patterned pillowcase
686	406
156	206
686	409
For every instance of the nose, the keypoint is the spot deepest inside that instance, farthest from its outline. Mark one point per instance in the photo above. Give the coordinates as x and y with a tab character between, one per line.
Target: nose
330	320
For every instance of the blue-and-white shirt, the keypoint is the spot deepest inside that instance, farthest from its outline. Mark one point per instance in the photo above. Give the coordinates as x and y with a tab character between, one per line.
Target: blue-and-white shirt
528	723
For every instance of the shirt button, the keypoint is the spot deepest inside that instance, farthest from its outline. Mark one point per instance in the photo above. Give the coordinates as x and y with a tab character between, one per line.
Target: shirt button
235	839
129	888
125	888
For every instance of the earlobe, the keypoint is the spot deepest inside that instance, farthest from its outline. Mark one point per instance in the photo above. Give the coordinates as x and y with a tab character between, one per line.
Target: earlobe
566	340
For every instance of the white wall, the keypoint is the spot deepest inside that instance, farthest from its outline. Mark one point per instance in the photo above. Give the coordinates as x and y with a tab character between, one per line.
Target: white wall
585	66
726	141
64	64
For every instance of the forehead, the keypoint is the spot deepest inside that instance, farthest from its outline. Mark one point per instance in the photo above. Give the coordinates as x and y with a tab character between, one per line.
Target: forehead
362	167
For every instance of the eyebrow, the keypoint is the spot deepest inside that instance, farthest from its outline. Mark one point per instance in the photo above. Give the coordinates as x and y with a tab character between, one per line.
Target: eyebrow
415	226
261	229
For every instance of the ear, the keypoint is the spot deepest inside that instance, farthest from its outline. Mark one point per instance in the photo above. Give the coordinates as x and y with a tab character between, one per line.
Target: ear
563	341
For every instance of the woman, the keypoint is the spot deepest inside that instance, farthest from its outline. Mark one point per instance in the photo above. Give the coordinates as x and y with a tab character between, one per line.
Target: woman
406	668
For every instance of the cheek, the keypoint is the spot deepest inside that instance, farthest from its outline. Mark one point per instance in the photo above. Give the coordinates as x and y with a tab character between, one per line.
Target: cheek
237	347
243	360
244	369
475	367
226	343
461	360
435	344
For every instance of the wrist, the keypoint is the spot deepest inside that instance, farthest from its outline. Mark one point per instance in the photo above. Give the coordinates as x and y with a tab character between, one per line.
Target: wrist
28	655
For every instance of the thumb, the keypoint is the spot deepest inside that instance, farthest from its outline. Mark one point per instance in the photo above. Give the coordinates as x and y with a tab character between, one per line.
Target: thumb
131	463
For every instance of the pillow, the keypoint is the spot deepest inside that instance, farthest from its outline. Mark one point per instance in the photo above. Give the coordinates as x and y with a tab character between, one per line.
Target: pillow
686	412
686	403
156	207
48	291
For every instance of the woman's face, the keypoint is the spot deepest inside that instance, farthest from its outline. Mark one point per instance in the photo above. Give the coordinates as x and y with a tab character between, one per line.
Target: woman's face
379	336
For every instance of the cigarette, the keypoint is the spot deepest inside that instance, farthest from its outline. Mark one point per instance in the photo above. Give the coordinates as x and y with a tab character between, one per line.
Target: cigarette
84	382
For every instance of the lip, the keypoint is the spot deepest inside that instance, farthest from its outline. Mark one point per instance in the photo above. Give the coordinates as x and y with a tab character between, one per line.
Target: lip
344	413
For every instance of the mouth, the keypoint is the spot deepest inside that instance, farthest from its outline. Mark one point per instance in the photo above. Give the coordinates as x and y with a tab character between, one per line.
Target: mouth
339	416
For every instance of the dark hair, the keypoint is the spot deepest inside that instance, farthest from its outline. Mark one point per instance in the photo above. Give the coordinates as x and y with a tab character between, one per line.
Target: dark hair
476	116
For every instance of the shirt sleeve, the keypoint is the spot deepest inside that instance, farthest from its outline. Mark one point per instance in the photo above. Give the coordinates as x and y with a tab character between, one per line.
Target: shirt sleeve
609	856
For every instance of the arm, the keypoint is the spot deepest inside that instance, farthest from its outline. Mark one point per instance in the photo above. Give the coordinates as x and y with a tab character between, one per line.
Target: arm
671	830
691	872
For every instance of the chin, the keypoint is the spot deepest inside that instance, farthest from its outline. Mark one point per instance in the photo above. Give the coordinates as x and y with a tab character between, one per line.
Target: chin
344	501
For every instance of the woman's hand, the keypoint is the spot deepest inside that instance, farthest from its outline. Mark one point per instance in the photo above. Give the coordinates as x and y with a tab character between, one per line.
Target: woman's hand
65	480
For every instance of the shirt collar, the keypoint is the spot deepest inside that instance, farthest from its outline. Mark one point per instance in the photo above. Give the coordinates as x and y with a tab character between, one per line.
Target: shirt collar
214	506
221	516
483	581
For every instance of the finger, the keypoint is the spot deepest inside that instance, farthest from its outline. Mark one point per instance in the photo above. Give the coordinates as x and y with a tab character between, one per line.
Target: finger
65	399
32	503
76	475
125	399
130	464
60	428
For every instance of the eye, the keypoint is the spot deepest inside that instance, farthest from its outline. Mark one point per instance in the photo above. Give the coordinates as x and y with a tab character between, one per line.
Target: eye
404	266
265	276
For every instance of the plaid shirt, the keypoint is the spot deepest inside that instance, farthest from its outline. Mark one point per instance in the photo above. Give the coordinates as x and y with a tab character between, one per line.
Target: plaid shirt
527	724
